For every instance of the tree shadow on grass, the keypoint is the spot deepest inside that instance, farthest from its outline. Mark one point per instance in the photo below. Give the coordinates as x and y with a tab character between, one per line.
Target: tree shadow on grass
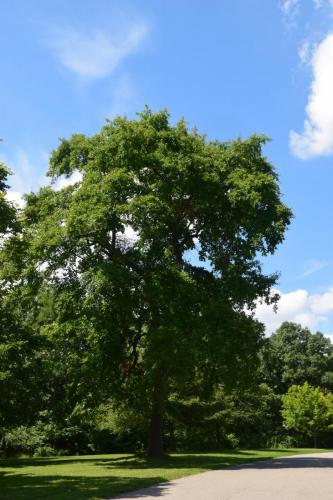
40	461
57	487
137	461
182	461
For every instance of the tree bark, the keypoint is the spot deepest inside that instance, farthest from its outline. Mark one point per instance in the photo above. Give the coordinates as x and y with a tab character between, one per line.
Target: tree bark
155	436
173	443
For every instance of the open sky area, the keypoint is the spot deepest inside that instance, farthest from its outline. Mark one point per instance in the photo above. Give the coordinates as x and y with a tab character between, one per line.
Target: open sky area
232	68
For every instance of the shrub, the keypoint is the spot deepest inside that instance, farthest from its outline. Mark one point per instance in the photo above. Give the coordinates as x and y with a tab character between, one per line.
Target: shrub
32	440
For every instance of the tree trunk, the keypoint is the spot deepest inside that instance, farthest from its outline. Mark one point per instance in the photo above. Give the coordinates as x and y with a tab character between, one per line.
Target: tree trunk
155	436
217	436
315	440
173	443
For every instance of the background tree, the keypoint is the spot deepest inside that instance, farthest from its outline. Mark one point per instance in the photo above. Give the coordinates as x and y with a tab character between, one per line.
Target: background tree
19	378
307	410
17	388
132	307
293	355
7	211
239	417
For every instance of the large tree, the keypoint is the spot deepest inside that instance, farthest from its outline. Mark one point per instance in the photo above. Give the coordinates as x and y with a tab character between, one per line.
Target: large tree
151	258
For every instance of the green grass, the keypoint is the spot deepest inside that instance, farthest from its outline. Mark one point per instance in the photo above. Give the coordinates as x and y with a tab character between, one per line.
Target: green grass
103	476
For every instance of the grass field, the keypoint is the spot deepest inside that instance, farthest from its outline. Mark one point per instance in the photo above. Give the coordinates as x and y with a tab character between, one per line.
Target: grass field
103	476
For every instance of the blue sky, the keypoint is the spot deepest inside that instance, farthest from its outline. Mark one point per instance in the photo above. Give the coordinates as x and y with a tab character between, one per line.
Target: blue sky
230	68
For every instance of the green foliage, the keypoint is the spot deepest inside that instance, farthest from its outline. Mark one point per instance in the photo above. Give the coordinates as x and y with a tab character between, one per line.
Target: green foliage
196	419
28	440
230	419
7	210
293	356
20	367
283	441
46	438
307	410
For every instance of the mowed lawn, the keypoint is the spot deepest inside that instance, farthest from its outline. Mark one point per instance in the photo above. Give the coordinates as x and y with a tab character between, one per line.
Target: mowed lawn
103	476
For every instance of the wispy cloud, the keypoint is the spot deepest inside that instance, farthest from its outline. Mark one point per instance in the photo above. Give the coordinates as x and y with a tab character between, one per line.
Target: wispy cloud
124	96
290	7
28	174
298	306
322	3
311	267
290	10
96	54
305	52
317	136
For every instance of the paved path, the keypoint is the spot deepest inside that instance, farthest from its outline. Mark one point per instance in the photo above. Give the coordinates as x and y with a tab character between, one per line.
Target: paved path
300	477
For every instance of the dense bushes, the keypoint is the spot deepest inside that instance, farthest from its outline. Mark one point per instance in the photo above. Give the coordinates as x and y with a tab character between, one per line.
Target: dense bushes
44	439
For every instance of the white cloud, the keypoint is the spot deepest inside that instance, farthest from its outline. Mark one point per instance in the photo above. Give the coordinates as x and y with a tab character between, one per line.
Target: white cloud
322	304
297	306
131	234
16	197
63	182
95	55
317	137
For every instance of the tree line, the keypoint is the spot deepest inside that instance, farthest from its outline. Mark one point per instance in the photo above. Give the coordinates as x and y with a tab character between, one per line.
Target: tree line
128	297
